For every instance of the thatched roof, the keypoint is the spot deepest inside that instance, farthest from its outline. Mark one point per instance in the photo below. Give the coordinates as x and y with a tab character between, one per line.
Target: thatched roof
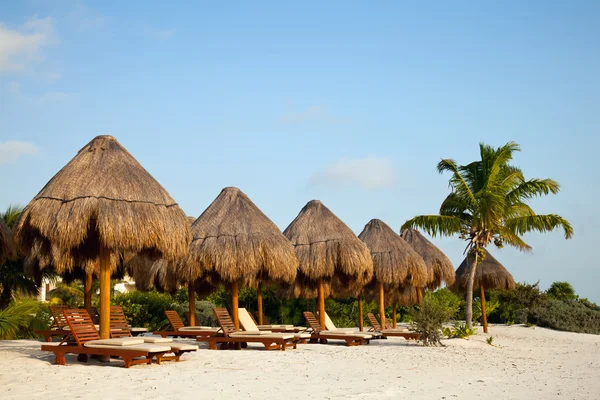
490	272
7	246
326	249
440	267
394	260
233	240
103	196
151	274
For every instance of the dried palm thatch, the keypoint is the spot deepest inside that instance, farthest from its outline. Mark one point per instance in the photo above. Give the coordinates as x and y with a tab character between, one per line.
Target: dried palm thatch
151	274
102	197
328	250
439	266
7	245
490	272
234	241
394	260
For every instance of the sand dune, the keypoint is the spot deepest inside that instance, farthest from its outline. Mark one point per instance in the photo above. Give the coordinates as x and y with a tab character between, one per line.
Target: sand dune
525	363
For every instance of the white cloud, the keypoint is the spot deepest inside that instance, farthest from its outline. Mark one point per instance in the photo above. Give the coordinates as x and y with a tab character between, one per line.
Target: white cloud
11	150
368	173
21	47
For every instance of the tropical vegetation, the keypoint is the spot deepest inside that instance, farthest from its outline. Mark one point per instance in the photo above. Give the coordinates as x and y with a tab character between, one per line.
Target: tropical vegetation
488	203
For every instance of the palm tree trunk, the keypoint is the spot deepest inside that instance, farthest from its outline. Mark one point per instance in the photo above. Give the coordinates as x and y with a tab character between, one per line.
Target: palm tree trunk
469	299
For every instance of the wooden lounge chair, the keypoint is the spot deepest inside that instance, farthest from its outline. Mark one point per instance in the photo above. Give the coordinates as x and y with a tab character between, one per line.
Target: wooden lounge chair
230	336
88	342
180	330
278	328
322	336
59	327
248	325
330	326
119	328
398	332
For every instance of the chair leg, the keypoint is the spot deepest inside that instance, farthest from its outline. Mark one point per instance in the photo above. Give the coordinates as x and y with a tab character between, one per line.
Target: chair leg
60	359
127	361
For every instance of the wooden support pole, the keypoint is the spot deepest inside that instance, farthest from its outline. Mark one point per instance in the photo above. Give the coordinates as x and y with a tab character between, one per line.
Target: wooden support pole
361	322
483	312
235	305
87	293
382	306
192	303
419	295
394	316
321	305
259	300
104	292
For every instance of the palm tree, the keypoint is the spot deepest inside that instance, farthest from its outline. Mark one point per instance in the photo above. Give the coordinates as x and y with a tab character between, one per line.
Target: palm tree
12	276
561	291
488	203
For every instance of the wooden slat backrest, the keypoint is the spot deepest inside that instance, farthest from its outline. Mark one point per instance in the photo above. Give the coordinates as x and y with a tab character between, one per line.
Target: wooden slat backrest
174	320
224	320
58	317
312	321
374	322
118	323
82	326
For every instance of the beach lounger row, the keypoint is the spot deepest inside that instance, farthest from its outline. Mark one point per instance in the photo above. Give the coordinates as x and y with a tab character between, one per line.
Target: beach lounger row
84	340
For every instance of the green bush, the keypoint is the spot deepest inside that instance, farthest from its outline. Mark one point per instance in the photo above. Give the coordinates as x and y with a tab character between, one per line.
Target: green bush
561	291
567	315
515	305
460	330
22	318
145	309
429	318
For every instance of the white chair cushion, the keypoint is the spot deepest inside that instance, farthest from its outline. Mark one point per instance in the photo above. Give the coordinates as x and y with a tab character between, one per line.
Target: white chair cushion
126	341
148	347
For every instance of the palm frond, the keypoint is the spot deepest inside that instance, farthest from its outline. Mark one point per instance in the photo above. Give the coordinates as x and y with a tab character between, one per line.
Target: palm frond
514	240
533	188
539	223
435	225
457	182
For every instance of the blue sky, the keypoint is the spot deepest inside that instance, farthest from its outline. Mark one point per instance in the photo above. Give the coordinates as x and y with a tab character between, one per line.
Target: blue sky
353	104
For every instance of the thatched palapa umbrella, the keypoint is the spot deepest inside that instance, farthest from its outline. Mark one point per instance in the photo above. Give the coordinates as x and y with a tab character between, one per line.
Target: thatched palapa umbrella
395	263
100	207
7	246
233	242
490	274
439	266
327	251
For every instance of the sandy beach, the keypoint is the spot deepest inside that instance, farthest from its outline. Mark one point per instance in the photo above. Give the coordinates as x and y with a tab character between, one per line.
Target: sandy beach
524	363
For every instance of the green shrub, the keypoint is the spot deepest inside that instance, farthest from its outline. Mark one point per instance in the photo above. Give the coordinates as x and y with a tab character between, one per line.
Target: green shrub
567	315
459	330
515	305
491	307
429	318
561	291
145	309
21	318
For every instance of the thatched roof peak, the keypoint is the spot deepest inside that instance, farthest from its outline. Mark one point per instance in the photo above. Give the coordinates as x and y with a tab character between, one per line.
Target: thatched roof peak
234	240
326	249
490	272
7	246
440	268
394	261
102	197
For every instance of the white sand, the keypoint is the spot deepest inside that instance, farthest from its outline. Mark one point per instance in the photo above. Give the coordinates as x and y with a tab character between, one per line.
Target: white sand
526	363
